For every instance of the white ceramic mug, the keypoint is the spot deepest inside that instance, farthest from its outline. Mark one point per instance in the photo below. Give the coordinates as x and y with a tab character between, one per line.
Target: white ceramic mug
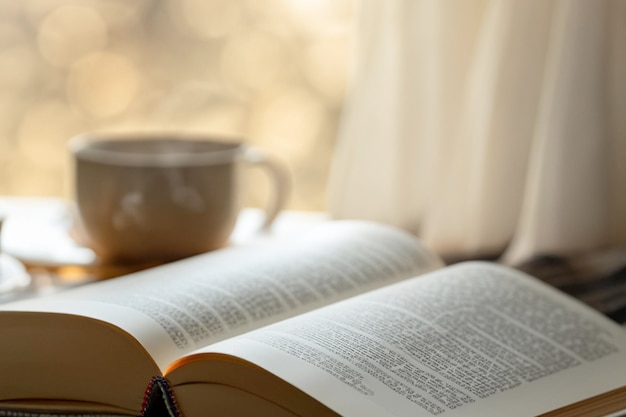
160	197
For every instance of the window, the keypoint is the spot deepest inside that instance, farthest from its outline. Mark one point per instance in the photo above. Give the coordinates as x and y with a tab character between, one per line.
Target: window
272	72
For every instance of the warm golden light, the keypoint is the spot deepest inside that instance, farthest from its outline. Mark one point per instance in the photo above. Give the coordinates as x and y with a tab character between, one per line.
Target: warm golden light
317	17
69	33
271	72
17	68
103	84
256	60
39	144
322	58
212	18
291	121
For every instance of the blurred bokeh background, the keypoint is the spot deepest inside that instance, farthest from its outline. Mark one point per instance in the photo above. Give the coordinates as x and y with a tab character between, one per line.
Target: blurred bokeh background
273	72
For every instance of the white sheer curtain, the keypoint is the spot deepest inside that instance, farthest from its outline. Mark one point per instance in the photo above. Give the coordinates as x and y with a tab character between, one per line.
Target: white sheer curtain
486	126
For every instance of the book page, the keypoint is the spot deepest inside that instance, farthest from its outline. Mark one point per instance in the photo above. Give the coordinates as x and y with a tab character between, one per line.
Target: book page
177	308
469	340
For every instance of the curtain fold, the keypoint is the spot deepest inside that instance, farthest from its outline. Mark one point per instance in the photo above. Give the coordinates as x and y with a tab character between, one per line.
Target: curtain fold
488	127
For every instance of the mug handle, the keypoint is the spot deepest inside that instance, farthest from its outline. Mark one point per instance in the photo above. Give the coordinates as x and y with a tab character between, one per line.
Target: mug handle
280	181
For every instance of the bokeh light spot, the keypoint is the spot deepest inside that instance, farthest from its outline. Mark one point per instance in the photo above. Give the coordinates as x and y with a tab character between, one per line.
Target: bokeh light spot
317	17
44	131
103	84
120	13
290	121
70	32
17	66
211	18
256	60
327	66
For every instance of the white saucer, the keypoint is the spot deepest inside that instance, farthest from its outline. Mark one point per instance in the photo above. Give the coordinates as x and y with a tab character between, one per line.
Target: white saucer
13	274
37	232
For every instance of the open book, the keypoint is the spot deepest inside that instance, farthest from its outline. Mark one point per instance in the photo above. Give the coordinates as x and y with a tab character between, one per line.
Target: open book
354	319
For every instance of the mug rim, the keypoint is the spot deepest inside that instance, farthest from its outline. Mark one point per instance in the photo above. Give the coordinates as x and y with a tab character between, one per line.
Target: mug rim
82	147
